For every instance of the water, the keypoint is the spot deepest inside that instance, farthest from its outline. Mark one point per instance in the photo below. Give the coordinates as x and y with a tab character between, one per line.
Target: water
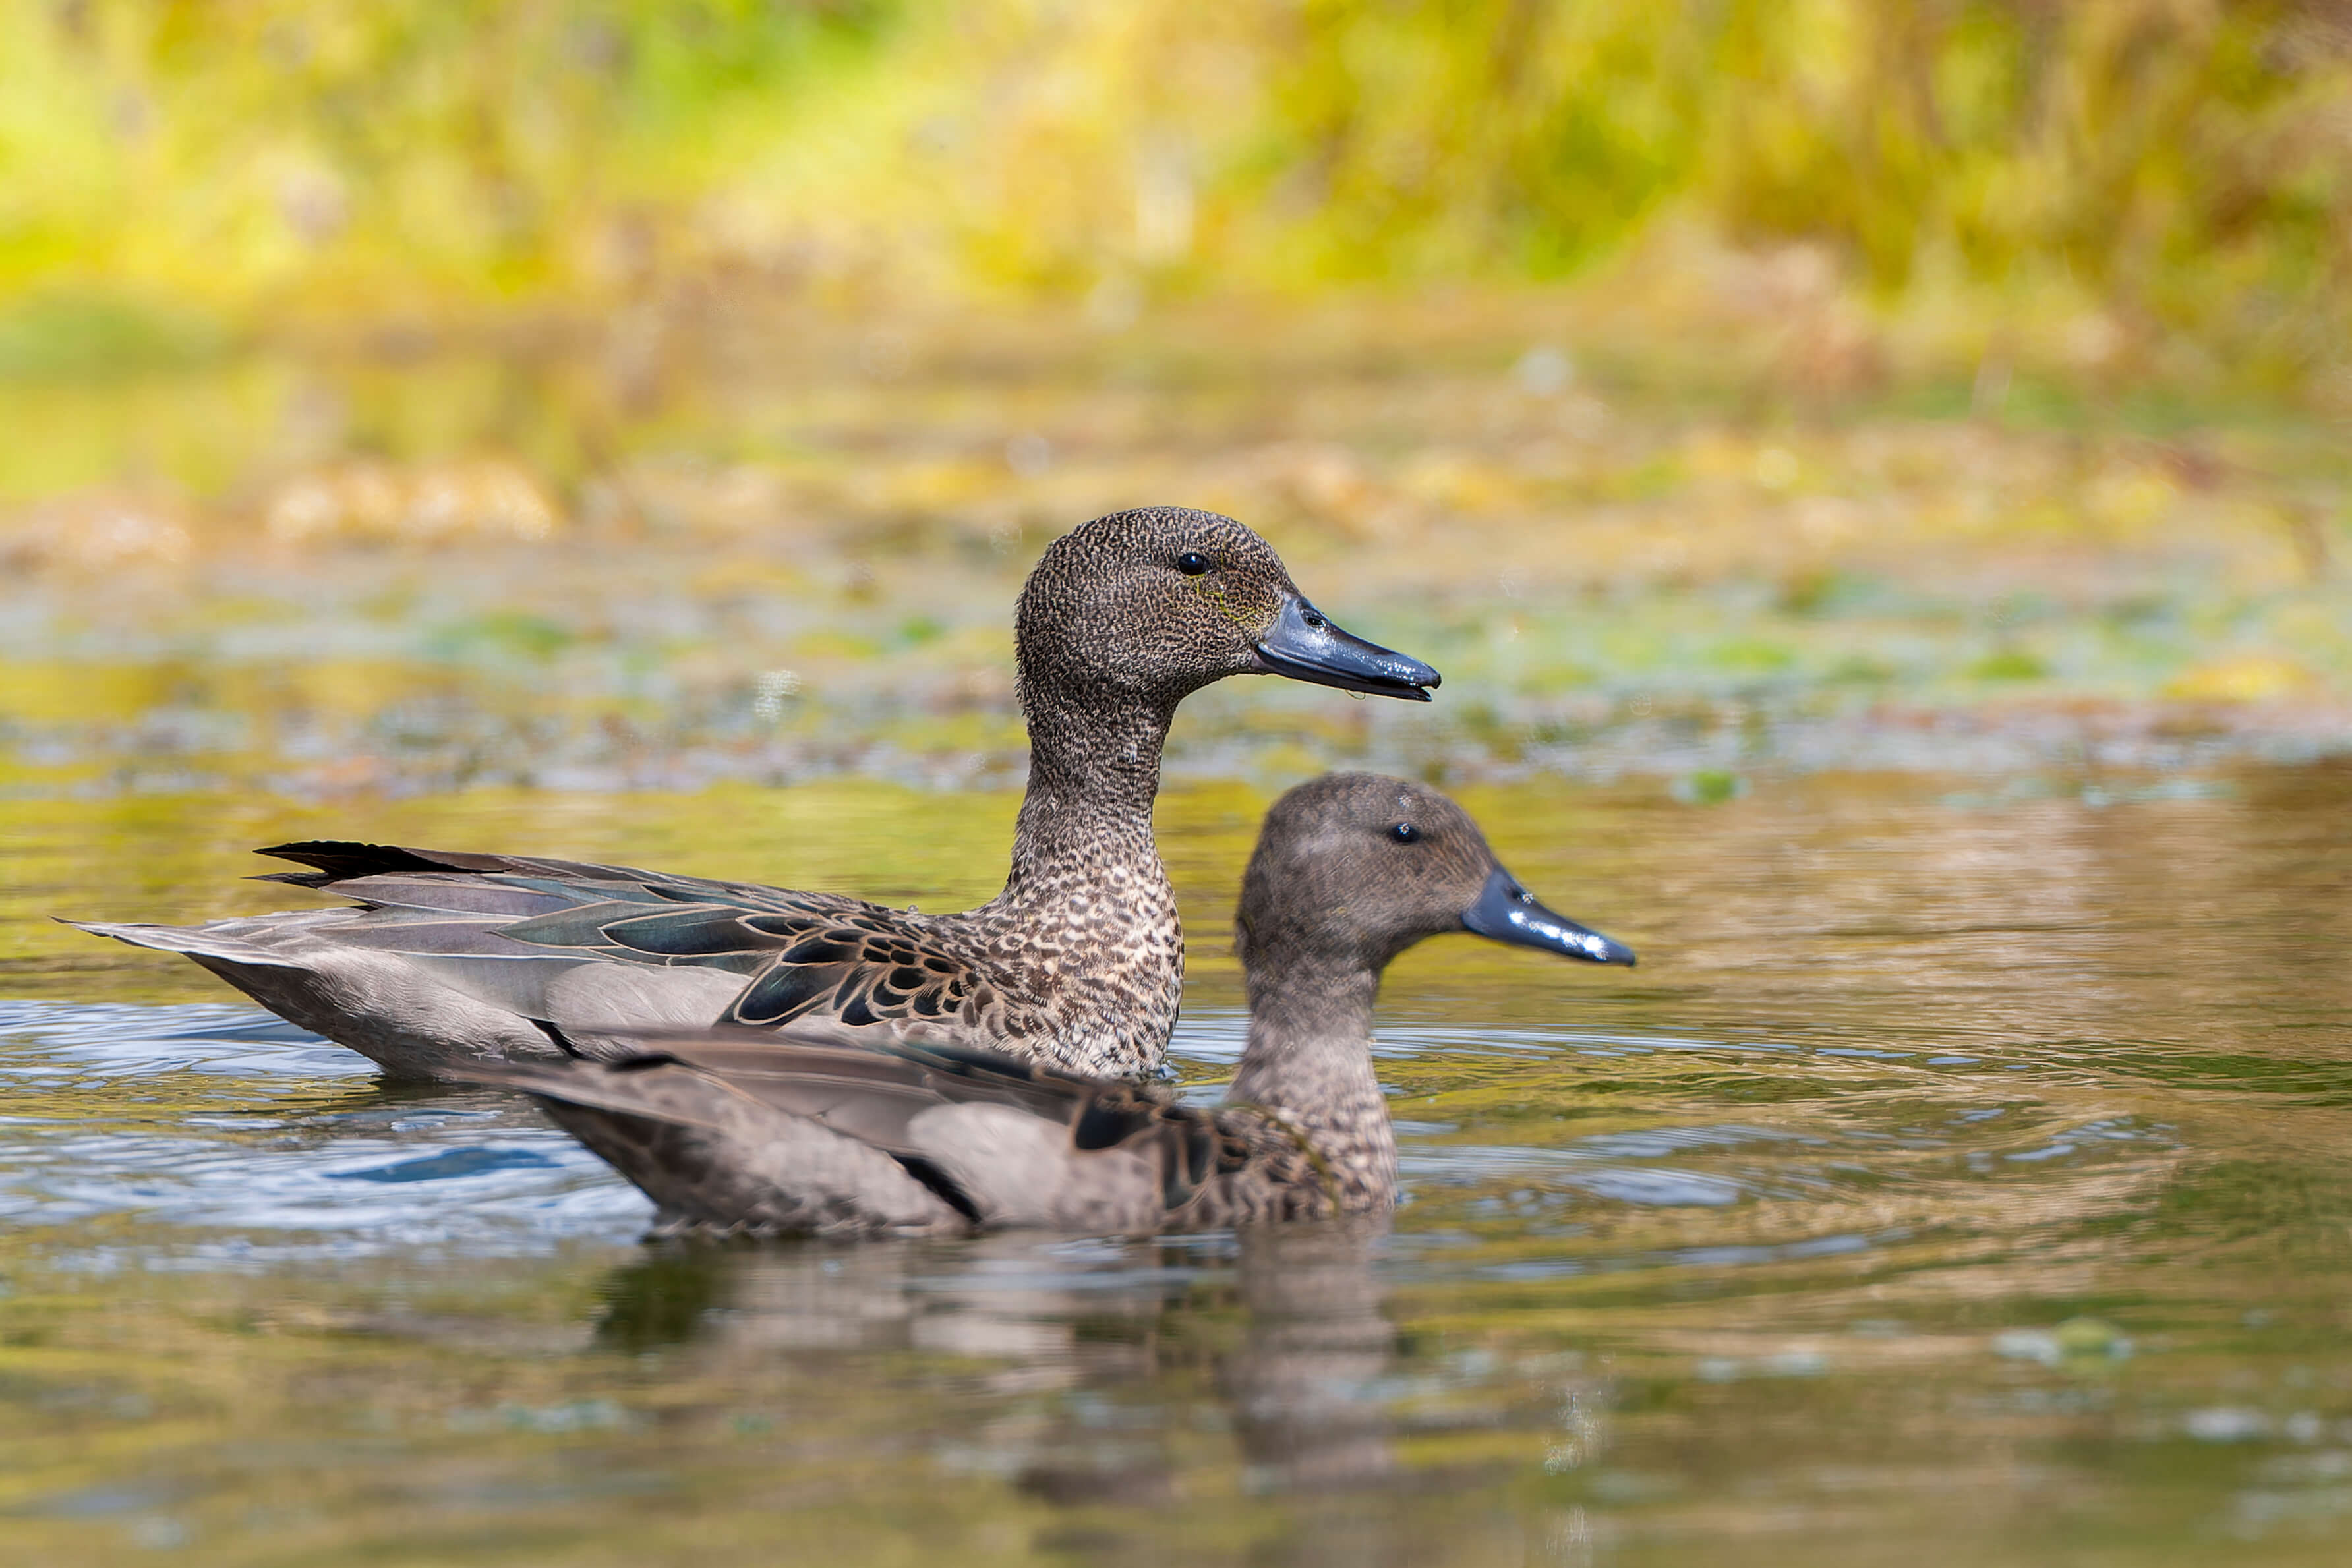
1963	1179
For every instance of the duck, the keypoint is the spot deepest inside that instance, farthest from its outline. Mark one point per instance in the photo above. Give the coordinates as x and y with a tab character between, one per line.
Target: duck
447	959
737	1133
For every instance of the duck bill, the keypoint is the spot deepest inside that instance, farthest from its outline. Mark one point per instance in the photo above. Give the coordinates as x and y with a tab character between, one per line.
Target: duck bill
1305	644
1505	912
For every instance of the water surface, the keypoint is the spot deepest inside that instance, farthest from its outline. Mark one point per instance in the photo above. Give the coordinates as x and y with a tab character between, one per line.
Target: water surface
1965	1177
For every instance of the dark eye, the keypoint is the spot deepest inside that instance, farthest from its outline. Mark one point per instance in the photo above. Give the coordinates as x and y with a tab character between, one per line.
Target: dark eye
1405	833
1191	563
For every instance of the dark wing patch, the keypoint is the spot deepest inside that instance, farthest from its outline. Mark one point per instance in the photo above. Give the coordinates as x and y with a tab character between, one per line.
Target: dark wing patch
947	1192
645	1064
583	926
784	992
695	932
830	948
1184	1141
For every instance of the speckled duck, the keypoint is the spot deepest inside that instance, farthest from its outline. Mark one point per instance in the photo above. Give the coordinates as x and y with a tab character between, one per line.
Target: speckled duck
454	958
767	1135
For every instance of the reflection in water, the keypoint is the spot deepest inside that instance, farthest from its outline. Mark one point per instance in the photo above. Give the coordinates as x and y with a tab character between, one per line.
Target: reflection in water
1304	1384
1964	1184
1304	1381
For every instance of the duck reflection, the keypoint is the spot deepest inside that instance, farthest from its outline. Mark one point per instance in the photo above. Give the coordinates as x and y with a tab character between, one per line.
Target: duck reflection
1084	1367
1304	1384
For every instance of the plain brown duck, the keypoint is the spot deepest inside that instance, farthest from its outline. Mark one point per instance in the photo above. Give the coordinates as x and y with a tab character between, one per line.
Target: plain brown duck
769	1133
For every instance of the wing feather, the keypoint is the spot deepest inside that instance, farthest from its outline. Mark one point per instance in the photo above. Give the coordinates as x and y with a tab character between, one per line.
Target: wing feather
803	956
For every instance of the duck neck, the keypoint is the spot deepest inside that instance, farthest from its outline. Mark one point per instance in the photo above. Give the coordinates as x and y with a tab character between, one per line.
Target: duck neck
1309	1063
1094	769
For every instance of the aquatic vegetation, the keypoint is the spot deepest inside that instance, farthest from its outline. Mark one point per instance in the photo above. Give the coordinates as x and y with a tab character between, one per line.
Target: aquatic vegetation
783	569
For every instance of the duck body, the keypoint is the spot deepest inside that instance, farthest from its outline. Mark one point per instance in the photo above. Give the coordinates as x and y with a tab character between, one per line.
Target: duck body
771	1133
448	958
451	957
777	1137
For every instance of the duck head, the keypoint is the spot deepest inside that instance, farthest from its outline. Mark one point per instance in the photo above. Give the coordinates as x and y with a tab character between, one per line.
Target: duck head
1351	869
1161	600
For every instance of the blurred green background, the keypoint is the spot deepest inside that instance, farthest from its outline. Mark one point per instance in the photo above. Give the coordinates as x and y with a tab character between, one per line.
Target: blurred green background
2136	189
413	395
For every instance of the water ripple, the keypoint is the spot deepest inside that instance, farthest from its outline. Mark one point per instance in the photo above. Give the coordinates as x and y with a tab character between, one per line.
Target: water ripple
439	1168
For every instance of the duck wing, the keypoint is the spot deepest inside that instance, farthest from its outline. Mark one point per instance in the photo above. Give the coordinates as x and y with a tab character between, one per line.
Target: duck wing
736	1132
449	958
507	928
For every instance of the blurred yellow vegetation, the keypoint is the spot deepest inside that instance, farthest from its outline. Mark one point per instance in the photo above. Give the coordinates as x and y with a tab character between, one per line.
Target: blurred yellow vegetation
2247	677
376	501
2095	191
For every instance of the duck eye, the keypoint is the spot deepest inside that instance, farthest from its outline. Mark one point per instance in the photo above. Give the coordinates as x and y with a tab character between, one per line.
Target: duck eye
1191	563
1405	833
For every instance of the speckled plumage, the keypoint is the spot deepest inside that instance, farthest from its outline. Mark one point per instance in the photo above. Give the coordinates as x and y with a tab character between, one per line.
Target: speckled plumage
449	957
758	1134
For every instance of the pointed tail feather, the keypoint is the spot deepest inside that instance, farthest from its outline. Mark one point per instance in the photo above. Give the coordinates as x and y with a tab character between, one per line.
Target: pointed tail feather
196	941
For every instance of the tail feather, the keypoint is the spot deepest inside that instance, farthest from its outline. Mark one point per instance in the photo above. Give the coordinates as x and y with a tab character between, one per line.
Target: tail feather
385	1006
339	859
196	941
336	859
